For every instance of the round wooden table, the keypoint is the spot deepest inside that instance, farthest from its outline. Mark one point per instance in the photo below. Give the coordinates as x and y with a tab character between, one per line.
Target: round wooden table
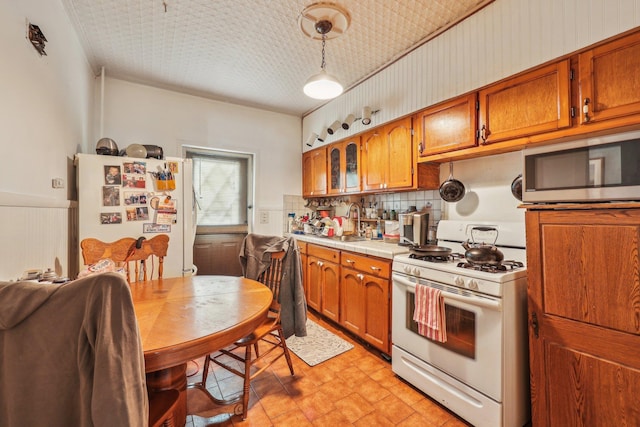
185	318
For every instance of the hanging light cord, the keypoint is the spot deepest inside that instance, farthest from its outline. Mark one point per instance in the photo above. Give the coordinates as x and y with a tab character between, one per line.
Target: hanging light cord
324	41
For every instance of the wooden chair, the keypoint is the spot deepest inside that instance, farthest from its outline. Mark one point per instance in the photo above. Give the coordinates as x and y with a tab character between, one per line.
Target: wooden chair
162	404
268	333
128	251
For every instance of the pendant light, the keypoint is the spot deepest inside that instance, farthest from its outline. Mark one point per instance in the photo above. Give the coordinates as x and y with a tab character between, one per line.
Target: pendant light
324	21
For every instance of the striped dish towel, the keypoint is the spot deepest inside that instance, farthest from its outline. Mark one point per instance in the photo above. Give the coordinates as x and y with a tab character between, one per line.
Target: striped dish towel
429	313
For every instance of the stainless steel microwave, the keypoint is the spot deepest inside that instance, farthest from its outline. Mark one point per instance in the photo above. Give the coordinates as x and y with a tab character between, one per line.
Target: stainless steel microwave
605	168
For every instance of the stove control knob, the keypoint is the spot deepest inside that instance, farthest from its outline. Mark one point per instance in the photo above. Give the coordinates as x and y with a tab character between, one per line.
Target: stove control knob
416	272
473	284
459	281
407	269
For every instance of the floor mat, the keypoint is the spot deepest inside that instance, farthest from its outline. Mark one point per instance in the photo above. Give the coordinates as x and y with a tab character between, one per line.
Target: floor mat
318	346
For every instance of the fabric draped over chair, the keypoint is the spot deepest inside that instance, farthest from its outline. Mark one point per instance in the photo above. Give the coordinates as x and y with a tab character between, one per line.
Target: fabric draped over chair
71	354
255	258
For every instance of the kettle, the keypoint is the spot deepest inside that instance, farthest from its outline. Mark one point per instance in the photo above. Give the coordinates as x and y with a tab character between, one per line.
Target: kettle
482	253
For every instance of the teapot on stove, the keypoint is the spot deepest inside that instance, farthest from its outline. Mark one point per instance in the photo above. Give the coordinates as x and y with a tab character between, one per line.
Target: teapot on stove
483	253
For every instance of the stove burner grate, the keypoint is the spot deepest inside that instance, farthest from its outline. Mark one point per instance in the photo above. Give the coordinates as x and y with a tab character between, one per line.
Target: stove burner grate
504	266
437	258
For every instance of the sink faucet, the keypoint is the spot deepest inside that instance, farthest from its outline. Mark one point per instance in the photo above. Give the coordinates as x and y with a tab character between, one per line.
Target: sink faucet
359	210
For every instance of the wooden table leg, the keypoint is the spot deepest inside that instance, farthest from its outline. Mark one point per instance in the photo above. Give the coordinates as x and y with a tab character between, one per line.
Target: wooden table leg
203	404
172	378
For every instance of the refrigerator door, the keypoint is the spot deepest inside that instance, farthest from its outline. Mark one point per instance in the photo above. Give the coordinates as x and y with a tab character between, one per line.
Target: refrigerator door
121	197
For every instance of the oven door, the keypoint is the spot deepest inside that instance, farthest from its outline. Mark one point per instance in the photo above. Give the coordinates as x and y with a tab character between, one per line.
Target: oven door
473	351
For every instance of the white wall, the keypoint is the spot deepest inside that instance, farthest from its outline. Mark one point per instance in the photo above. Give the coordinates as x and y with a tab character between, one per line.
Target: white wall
45	111
135	113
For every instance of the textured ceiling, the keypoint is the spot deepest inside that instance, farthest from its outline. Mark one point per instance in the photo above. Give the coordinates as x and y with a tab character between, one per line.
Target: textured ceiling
250	52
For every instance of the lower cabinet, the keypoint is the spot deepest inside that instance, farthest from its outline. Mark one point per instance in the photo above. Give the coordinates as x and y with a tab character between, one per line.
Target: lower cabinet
584	311
365	306
323	273
353	290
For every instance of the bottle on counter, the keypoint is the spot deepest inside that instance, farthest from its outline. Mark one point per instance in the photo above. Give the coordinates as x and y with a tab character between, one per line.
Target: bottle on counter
385	215
290	219
394	216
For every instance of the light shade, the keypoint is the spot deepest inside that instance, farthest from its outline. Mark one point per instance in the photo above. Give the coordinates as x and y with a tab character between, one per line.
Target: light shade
322	86
323	135
334	127
366	116
312	139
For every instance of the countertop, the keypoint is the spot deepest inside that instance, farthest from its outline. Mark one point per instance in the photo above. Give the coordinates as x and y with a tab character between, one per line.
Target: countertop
376	248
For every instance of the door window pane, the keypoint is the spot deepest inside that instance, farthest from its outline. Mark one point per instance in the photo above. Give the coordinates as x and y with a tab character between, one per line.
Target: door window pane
221	183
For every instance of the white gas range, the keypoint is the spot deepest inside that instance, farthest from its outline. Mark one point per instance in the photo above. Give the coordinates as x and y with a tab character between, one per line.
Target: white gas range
481	371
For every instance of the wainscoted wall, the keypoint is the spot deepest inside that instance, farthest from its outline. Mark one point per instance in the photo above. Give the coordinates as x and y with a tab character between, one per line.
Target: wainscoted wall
37	237
504	38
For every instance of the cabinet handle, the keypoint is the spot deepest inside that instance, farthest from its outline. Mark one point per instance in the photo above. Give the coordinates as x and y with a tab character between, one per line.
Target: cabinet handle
483	133
320	263
350	261
375	268
534	324
420	148
360	276
585	109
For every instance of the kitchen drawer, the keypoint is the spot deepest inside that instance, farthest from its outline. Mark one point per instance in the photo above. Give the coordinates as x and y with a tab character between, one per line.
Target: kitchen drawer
327	254
373	266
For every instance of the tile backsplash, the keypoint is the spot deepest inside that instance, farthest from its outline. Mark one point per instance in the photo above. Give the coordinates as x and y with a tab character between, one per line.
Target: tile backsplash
400	202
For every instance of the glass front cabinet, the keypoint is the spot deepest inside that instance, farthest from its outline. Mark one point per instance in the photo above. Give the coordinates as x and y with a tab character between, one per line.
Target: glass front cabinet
344	167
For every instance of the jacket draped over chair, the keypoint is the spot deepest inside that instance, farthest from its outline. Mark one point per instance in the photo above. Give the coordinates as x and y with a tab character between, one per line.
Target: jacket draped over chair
71	354
255	258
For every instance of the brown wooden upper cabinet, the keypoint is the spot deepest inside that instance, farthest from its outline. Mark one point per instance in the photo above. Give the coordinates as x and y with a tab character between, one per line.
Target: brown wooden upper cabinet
314	172
451	125
344	167
534	102
387	157
609	80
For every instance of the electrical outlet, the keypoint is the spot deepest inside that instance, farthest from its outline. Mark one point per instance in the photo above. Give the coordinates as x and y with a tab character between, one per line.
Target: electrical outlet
57	183
264	217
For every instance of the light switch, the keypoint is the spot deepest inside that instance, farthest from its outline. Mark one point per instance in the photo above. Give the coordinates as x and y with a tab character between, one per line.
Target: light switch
264	217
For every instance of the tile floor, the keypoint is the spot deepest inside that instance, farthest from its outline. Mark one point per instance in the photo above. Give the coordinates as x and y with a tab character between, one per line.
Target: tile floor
356	388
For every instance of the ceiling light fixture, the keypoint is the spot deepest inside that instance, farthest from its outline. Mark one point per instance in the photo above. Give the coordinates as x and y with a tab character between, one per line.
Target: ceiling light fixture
324	21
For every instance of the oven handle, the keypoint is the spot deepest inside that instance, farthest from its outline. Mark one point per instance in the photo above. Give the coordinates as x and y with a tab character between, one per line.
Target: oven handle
470	299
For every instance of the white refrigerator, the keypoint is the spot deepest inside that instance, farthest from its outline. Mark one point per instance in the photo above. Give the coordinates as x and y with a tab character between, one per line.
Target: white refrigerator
134	197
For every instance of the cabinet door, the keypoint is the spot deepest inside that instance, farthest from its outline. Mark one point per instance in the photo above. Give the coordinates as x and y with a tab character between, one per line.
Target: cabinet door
609	79
531	103
446	127
376	311
307	173
336	169
319	161
314	285
352	307
400	161
330	290
374	160
584	306
352	166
